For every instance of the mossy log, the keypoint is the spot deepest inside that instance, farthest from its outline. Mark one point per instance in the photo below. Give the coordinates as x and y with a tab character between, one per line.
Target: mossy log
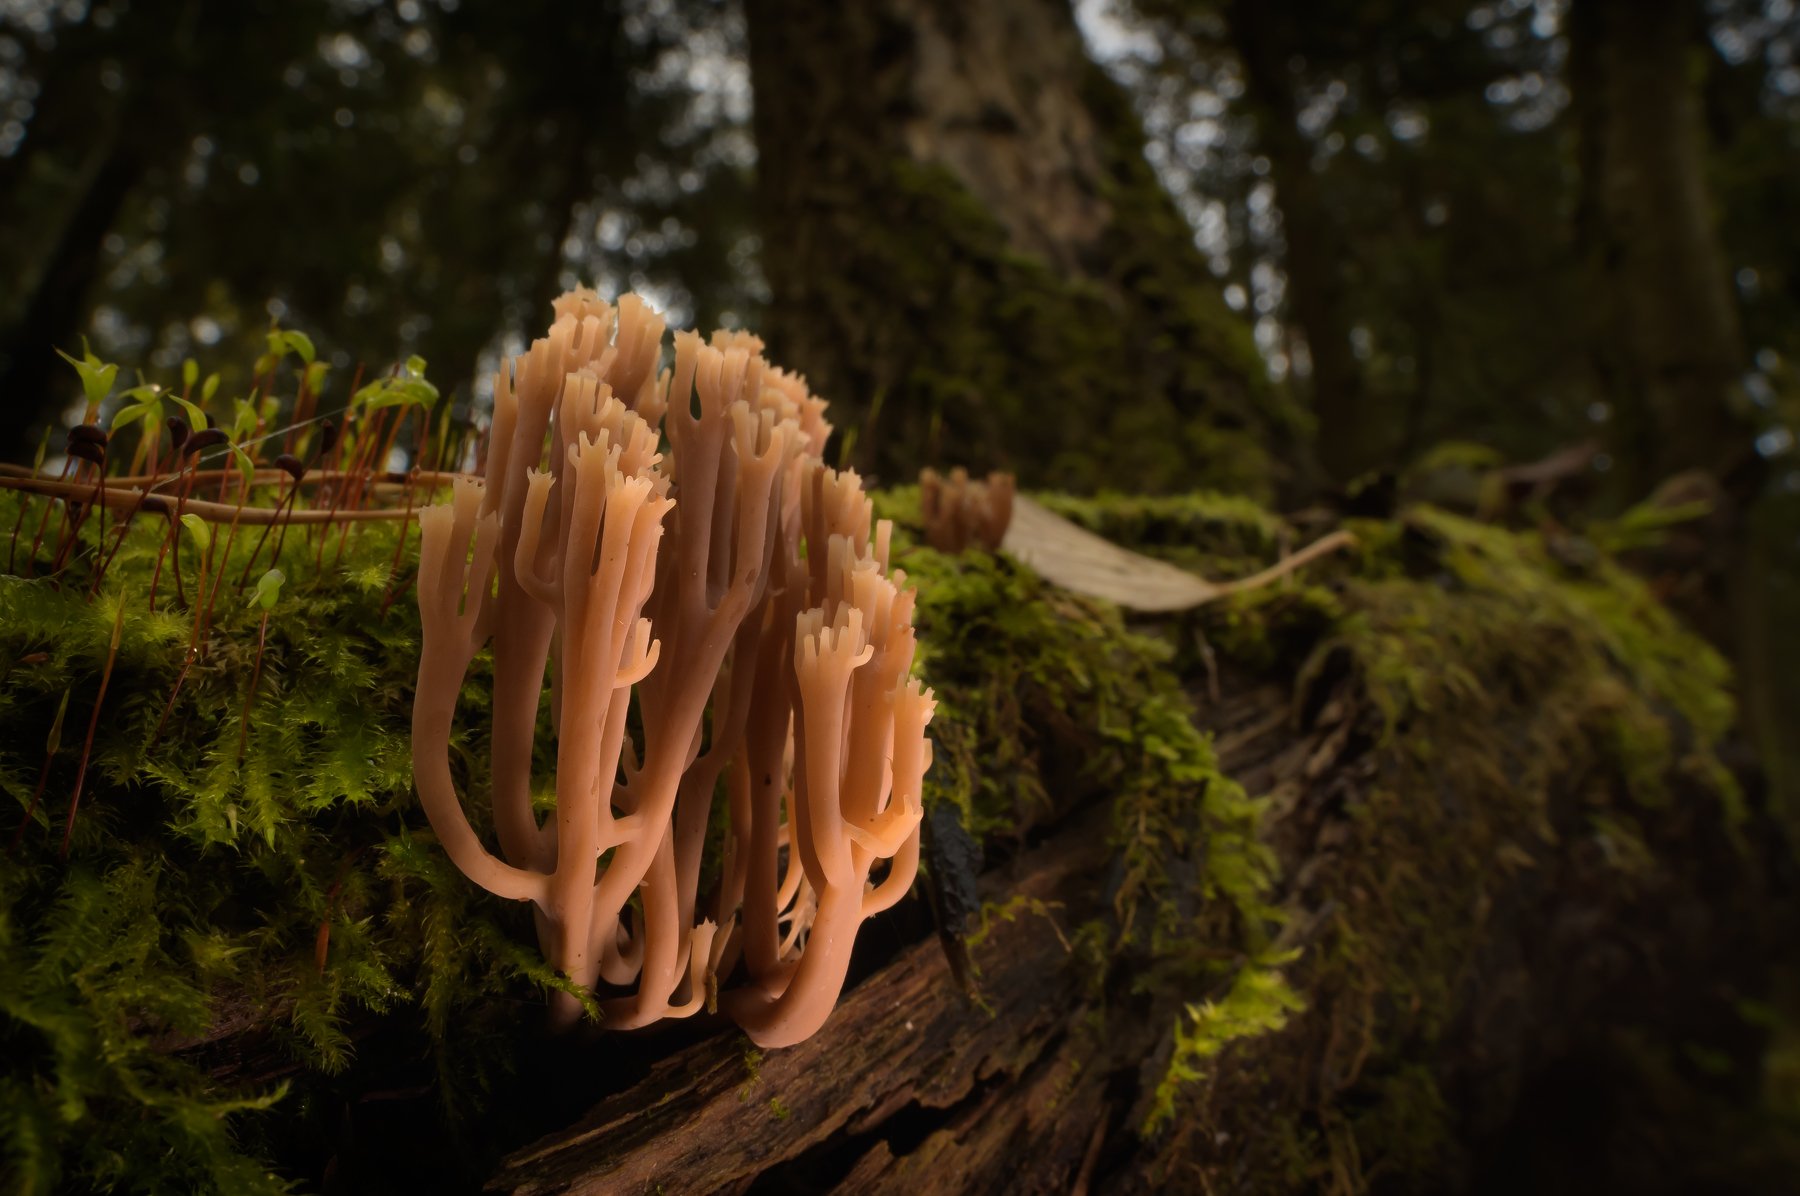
1307	889
1036	1085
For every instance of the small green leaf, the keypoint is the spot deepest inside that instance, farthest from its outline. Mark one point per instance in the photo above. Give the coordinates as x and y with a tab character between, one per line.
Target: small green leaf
369	393
125	416
315	375
197	528
196	417
389	397
268	589
190	372
282	342
422	392
209	388
243	419
246	467
96	375
415	365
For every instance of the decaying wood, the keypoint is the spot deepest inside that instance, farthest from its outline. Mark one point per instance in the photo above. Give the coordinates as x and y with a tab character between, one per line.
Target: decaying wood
709	1120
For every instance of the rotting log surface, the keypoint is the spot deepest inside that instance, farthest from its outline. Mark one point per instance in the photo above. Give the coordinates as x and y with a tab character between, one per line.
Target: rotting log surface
911	1087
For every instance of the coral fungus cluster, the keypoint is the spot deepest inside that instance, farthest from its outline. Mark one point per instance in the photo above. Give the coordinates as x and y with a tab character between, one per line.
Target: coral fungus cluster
960	512
721	628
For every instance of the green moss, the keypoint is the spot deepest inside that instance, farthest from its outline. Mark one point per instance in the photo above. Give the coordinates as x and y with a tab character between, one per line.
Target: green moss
1041	690
1501	669
292	885
752	1073
1486	619
1259	1001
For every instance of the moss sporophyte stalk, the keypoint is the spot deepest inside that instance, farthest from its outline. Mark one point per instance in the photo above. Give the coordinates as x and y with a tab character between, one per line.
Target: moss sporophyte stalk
217	829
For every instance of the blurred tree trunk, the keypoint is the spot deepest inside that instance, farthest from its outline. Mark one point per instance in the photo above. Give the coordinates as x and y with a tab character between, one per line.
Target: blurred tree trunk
971	257
1677	348
1673	349
1347	439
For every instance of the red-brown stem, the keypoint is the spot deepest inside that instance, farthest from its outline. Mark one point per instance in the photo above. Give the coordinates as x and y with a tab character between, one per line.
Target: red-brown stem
119	533
174	537
387	448
362	490
400	544
98	499
352	487
244	579
187	482
262	633
422	446
12	554
322	941
161	552
343	479
173	694
44	522
124	528
298	420
73	531
200	595
87	745
36	795
281	536
212	596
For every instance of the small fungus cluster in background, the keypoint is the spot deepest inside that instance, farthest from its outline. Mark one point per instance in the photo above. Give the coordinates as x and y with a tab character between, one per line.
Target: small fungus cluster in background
959	512
721	610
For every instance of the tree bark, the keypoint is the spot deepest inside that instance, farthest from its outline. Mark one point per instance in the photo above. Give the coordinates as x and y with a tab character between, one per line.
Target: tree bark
970	255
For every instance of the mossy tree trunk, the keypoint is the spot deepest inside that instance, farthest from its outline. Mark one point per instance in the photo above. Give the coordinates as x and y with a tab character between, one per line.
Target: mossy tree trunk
970	256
